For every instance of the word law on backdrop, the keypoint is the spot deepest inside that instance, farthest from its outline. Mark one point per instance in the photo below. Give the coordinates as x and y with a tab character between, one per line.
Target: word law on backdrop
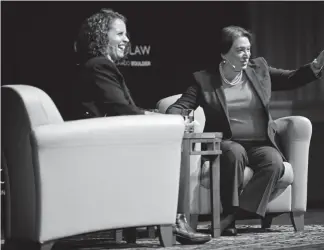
141	53
140	50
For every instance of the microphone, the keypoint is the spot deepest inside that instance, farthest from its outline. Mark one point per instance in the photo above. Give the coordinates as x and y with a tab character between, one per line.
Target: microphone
232	65
225	59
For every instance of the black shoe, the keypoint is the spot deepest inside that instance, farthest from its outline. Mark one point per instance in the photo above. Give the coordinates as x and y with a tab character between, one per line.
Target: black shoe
227	225
230	231
186	235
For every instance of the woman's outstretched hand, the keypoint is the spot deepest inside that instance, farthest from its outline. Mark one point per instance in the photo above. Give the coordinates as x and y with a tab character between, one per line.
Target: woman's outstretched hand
319	61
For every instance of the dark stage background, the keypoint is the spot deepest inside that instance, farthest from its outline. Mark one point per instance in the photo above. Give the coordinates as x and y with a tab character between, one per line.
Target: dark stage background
175	38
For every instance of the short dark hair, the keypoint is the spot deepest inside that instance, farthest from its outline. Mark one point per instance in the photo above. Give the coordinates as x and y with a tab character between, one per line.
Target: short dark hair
229	34
92	39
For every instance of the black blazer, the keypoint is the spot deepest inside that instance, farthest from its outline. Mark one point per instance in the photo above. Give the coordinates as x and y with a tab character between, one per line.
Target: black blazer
102	90
206	91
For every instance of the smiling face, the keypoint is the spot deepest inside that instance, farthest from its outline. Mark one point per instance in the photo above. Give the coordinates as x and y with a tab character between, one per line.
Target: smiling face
240	53
118	40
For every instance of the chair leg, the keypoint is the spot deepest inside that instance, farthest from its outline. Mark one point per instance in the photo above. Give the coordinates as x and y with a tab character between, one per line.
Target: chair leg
166	237
151	232
194	221
297	219
266	221
118	235
130	234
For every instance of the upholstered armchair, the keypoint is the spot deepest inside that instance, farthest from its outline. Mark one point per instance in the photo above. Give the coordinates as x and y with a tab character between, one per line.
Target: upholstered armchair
75	177
290	195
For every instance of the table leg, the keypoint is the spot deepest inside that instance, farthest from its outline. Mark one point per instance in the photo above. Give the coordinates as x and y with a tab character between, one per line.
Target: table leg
184	199
215	196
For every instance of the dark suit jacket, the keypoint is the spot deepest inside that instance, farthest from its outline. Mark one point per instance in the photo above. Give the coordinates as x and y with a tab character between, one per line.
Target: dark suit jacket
102	90
206	91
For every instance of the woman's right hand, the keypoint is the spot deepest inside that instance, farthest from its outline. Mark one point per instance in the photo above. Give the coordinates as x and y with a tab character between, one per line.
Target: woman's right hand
195	124
151	113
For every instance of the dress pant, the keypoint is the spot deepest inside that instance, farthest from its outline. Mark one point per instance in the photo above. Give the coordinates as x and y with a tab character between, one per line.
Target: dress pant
264	160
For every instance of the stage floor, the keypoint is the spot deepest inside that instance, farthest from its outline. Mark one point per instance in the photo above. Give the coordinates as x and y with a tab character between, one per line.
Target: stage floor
250	236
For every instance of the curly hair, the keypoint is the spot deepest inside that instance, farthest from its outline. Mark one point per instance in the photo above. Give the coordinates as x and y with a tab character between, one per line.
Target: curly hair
92	39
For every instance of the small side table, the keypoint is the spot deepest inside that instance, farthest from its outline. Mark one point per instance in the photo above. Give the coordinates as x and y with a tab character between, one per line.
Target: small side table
212	141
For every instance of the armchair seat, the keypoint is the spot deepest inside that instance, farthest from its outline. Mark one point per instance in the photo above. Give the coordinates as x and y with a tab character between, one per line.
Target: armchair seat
204	197
283	182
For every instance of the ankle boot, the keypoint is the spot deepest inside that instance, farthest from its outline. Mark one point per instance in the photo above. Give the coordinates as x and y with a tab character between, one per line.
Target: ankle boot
186	235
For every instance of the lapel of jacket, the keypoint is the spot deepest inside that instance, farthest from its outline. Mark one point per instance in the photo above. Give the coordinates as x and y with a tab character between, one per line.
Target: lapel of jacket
216	83
216	95
124	86
220	93
272	128
211	87
250	72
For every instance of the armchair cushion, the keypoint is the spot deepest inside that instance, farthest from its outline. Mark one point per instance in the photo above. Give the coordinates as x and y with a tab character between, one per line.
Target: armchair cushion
283	182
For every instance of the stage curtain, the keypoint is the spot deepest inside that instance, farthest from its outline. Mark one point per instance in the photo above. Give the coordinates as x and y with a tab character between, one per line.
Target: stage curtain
289	35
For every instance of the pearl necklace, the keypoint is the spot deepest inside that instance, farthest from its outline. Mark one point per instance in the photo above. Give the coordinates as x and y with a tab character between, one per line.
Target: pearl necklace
235	81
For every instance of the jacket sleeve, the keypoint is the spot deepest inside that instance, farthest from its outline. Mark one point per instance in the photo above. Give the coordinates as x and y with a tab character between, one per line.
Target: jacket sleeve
111	96
188	100
291	79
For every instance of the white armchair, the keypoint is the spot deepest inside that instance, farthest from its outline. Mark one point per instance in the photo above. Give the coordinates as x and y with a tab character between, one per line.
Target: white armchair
290	195
70	178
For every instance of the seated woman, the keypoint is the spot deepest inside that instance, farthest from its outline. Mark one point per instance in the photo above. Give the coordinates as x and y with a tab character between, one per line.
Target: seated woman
102	91
235	96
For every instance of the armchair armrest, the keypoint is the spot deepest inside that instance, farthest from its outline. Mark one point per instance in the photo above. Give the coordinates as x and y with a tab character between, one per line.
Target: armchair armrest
106	165
295	134
119	130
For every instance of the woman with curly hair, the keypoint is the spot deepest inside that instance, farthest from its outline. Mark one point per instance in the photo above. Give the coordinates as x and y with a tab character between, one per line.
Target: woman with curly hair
101	42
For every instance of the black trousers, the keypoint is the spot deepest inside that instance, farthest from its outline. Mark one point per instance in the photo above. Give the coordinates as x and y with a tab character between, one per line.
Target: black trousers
267	164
